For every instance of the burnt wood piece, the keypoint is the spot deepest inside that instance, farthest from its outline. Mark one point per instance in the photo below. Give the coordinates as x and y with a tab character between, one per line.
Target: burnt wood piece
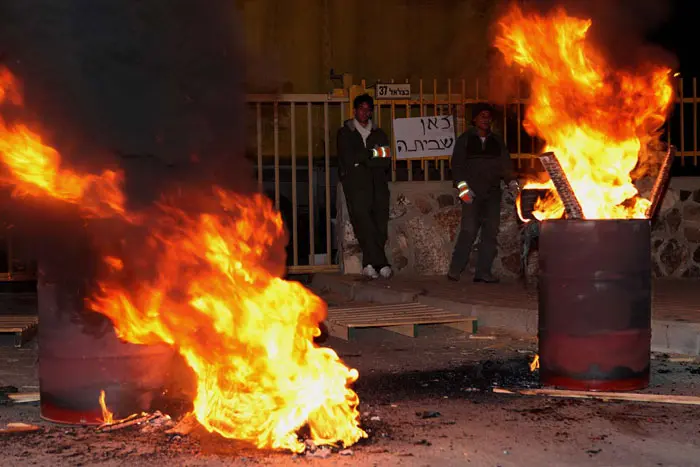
661	183
561	184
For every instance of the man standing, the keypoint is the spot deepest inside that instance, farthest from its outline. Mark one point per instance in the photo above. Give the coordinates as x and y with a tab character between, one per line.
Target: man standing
479	162
364	160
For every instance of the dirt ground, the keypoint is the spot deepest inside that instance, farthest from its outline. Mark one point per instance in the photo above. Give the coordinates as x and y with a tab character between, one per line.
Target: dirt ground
425	401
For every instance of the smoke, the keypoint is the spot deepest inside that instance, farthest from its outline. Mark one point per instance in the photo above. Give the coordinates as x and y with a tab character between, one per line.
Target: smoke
152	87
111	78
619	27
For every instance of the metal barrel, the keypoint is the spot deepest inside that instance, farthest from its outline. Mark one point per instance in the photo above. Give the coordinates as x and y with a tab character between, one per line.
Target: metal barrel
595	304
80	356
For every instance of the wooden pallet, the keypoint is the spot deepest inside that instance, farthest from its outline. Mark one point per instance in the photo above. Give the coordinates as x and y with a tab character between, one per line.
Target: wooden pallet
23	327
402	318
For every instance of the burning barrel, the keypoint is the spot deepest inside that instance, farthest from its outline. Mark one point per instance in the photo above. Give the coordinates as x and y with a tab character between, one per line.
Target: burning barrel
80	356
595	304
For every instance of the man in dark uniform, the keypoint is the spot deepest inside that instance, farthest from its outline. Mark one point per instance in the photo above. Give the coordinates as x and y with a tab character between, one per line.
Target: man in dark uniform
364	160
479	162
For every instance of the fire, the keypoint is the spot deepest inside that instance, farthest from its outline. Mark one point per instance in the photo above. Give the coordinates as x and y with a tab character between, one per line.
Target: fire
213	294
535	363
595	119
107	415
35	168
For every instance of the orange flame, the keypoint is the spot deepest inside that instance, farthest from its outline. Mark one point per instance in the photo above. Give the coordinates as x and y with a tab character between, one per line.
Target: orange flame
107	415
535	363
35	169
246	333
596	120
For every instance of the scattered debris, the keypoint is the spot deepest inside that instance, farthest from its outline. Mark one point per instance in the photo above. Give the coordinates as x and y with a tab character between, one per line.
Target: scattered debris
593	452
375	418
18	427
423	442
310	445
682	359
347	452
144	418
486	338
185	426
157	424
428	414
322	453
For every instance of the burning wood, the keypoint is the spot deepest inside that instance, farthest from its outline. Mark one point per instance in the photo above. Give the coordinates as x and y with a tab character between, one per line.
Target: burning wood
661	183
156	418
562	186
595	118
110	424
218	296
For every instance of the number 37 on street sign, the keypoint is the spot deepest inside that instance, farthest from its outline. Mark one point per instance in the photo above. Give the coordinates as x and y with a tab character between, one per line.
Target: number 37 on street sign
393	91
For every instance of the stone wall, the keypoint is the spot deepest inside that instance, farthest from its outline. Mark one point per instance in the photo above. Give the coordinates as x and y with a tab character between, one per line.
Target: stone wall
425	216
423	226
676	233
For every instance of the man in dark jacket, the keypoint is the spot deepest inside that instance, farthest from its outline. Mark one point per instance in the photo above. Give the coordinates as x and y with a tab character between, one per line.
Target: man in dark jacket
479	162
364	160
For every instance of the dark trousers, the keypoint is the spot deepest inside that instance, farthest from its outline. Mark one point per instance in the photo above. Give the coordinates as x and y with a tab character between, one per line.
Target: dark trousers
367	197
485	214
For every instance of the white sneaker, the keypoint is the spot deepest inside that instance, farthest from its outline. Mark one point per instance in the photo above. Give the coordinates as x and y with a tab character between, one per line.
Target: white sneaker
370	272
386	272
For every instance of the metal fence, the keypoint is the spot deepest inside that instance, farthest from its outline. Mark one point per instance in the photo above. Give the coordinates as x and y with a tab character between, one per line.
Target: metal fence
292	139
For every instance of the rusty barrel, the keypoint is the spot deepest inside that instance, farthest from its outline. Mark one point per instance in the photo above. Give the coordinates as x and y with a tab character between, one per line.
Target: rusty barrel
80	356
595	304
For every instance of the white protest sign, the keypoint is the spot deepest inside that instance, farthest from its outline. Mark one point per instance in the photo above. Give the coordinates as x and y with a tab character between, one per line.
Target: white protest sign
420	137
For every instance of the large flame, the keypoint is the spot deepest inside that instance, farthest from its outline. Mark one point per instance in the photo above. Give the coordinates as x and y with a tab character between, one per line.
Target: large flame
246	333
595	119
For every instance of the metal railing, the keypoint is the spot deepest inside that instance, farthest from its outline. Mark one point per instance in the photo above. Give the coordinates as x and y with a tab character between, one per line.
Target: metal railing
292	141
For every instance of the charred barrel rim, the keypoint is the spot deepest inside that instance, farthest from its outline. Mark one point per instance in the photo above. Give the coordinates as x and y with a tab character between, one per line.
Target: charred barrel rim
595	304
76	364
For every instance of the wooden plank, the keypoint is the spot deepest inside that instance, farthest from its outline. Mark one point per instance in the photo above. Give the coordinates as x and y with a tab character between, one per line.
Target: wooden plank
379	310
348	311
350	319
338	330
390	306
469	326
400	321
24	397
401	318
23	327
620	396
404	329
